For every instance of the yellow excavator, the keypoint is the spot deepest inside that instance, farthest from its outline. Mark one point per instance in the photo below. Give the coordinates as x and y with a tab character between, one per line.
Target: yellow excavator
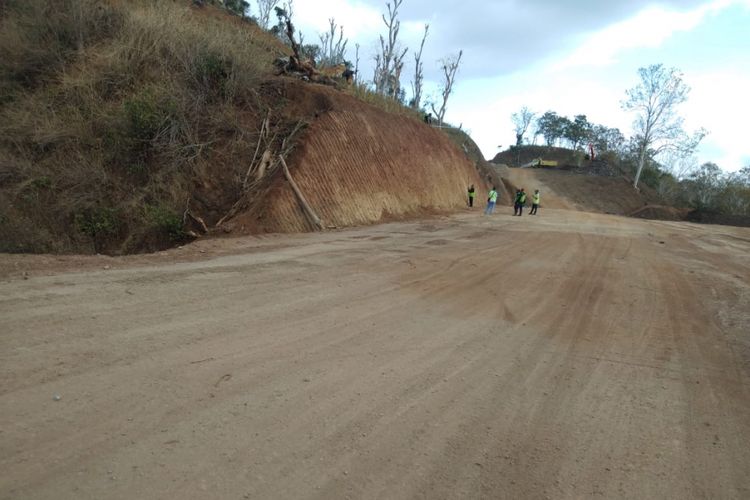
538	162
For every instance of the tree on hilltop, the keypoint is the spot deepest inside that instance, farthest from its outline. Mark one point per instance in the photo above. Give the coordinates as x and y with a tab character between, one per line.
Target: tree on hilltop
521	121
389	61
607	139
577	131
657	126
449	66
417	84
332	48
552	127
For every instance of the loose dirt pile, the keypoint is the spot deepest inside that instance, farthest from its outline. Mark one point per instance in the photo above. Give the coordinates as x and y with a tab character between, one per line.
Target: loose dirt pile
571	190
660	212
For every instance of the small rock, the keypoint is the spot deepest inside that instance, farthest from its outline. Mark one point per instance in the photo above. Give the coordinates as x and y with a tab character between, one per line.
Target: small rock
56	397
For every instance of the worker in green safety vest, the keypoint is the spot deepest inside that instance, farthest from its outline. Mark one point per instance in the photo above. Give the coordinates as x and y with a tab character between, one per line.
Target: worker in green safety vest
472	194
491	200
519	202
535	202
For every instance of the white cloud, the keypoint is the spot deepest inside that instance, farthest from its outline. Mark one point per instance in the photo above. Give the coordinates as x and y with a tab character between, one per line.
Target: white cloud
359	20
649	28
718	103
584	80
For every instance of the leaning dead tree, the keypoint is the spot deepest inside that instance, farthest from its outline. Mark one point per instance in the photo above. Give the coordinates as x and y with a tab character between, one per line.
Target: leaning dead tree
416	85
389	61
450	67
299	65
275	140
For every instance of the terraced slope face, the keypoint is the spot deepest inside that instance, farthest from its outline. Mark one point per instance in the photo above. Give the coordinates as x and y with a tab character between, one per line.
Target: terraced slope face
362	165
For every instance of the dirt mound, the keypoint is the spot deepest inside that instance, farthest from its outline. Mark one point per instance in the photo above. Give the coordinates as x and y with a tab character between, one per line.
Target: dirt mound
707	217
519	155
573	190
600	167
357	164
659	212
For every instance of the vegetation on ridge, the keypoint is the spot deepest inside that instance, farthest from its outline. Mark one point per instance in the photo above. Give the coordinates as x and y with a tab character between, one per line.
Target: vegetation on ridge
112	115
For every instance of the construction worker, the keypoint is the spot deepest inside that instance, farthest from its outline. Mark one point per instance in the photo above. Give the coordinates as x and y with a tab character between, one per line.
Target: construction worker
491	200
472	194
519	202
534	202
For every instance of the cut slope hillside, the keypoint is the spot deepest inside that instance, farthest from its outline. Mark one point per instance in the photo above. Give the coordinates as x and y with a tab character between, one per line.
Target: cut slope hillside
132	126
357	164
485	168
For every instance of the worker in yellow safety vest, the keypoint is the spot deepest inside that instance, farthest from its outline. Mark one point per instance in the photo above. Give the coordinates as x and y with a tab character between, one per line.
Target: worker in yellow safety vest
520	201
534	202
491	200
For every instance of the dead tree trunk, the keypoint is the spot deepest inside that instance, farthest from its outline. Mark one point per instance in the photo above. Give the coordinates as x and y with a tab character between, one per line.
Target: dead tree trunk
300	197
450	67
416	85
385	59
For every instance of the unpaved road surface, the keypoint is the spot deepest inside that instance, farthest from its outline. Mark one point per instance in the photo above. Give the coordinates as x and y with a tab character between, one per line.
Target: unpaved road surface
571	355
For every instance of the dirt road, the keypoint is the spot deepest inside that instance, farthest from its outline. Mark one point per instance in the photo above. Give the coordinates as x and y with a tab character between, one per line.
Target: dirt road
567	356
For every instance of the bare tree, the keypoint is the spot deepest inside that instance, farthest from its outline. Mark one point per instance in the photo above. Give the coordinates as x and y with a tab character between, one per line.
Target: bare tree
521	121
356	63
388	62
332	50
265	8
416	85
450	67
658	127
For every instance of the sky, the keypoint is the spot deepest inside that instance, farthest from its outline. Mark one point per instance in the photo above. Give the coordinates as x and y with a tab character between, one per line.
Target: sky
573	57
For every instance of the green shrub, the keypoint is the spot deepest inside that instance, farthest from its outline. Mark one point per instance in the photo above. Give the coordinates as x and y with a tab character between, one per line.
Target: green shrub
43	182
147	115
211	74
98	222
38	37
101	224
165	221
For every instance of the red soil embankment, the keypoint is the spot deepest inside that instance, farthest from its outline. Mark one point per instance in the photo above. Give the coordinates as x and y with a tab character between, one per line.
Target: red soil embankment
358	165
